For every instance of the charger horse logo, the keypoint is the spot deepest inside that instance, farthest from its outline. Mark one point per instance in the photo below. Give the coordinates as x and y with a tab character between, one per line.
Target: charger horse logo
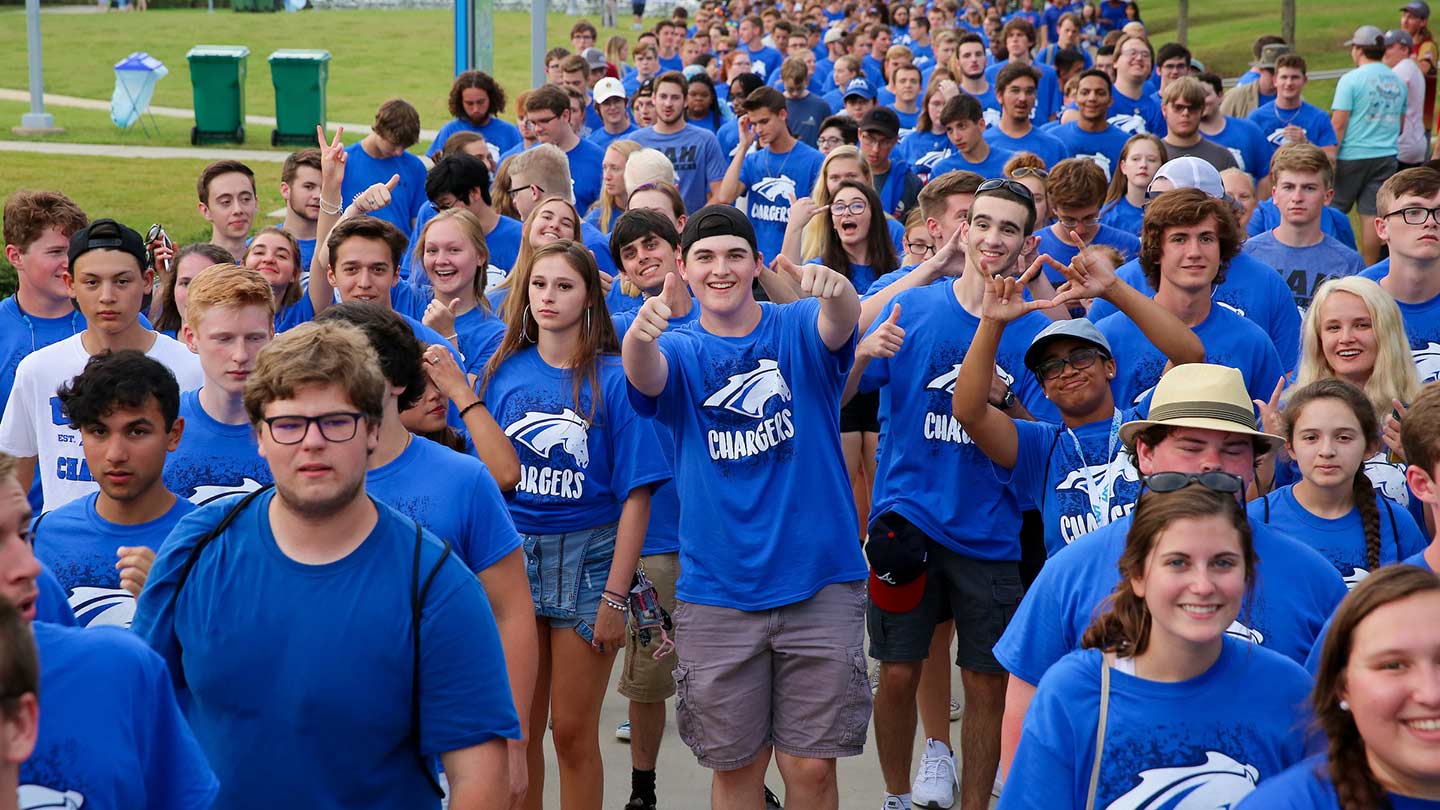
1220	782
1117	470
1427	362
746	393
946	382
776	188
542	432
38	797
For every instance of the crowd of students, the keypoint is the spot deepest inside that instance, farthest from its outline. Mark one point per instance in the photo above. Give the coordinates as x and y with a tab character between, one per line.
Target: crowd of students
769	344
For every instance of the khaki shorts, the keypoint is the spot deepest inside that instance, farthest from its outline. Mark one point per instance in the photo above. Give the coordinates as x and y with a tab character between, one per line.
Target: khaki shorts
792	678
645	679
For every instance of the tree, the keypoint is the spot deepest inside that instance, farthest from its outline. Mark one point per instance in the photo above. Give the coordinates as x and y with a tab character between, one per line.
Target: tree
1182	22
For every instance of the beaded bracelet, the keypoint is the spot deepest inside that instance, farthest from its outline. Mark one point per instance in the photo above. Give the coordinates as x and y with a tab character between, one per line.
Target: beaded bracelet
325	207
611	603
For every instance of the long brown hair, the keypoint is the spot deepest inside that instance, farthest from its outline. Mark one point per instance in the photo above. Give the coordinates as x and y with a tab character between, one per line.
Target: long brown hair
597	331
292	289
1350	772
879	249
1123	623
1363	491
1119	183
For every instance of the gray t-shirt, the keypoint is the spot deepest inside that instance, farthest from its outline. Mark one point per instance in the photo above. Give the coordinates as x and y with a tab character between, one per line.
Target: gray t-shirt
1208	151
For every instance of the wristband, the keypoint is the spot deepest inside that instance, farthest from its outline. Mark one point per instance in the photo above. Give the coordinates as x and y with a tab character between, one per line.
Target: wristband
622	597
612	604
326	208
479	403
452	337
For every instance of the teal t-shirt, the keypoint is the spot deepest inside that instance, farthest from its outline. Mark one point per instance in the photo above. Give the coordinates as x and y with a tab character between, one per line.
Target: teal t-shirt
1376	99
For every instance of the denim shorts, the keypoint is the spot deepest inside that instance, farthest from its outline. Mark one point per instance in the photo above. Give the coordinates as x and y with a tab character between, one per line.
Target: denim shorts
567	575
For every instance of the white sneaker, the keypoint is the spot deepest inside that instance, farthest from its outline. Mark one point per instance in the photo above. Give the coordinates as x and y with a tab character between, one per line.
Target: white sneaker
895	803
935	783
623	731
955	710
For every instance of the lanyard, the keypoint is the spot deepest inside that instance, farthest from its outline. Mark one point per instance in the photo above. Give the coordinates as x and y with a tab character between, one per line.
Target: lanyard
1105	490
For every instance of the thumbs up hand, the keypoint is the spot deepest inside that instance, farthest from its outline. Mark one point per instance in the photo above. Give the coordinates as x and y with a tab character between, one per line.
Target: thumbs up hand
377	196
886	340
655	314
815	280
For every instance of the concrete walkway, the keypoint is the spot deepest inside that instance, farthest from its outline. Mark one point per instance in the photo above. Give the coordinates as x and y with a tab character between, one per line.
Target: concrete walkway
267	121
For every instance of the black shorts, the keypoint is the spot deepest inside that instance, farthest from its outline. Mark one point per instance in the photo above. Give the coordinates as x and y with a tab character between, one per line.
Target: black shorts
980	595
861	414
638	6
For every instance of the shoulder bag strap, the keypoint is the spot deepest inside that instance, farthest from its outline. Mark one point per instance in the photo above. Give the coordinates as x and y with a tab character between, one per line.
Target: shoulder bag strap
1099	730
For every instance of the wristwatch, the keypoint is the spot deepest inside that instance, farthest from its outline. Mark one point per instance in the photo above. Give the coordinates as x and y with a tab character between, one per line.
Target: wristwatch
1008	401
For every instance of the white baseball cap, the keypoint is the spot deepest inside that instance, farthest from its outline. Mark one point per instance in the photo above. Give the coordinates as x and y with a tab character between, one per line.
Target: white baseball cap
1193	172
608	88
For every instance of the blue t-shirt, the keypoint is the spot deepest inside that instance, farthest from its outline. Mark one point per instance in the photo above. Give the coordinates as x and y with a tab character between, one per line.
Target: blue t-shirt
1122	216
1295	591
696	156
1054	471
1127	243
1136	115
1305	268
1375	98
992	166
363	171
578	462
926	457
1272	122
21	334
1048	93
756	421
79	546
663	536
1307	786
804	116
1341	540
111	736
1163	741
286	661
213	459
468	510
1251	288
770	180
1103	147
1333	222
585	158
1229	340
1035	142
762	60
1422	327
922	150
1246	144
602	137
52	603
479	333
500	136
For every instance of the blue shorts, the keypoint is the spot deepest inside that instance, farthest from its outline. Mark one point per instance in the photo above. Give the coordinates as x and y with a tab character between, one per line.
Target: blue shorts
567	575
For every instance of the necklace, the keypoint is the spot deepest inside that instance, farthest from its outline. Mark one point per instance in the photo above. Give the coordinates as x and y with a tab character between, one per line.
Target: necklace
1291	119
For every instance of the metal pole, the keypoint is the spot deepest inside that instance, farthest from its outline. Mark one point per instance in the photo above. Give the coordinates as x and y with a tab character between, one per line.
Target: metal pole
483	35
37	118
537	42
464	41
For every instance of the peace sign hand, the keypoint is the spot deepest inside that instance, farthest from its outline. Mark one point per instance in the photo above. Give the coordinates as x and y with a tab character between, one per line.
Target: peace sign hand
332	158
1271	414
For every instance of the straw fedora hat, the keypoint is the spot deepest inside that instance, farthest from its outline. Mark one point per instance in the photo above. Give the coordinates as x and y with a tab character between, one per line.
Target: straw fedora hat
1205	396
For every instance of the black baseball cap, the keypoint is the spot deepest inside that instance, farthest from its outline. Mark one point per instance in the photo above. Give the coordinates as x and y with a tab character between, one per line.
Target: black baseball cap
717	220
898	561
882	120
107	234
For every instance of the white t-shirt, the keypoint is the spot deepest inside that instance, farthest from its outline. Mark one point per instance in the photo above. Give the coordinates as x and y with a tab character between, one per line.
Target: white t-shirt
1412	129
33	424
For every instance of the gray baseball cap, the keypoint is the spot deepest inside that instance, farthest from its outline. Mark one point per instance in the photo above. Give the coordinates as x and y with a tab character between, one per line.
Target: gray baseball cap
1366	36
1076	329
1398	36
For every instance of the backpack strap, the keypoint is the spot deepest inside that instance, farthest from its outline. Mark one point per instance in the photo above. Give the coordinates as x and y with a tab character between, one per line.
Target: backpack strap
35	527
1394	530
199	547
418	592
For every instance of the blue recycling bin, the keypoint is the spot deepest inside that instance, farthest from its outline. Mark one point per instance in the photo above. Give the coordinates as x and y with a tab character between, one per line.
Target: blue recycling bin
135	79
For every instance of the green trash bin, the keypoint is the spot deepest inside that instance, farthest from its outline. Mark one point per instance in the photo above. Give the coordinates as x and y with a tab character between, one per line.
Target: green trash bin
299	77
217	76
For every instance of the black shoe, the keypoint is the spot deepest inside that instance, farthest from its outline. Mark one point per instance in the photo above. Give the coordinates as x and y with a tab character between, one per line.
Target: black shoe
772	802
637	803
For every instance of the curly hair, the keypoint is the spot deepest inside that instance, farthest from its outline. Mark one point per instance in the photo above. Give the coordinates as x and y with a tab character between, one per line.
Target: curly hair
1183	208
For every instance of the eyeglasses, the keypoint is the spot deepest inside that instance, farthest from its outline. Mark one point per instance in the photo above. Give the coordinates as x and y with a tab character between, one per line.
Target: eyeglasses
339	426
919	248
1080	359
854	208
1215	481
829	141
1007	184
1072	222
1026	171
1415	215
1188	109
541	121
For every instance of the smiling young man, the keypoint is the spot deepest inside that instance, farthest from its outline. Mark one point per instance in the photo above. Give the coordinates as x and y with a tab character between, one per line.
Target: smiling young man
1132	107
231	315
695	153
772	176
769	604
1201	420
1290	118
1407	225
612	102
1015	85
126	408
1303	253
967	548
1188	241
381	155
107	280
1092	135
306	607
227	201
476	101
964	124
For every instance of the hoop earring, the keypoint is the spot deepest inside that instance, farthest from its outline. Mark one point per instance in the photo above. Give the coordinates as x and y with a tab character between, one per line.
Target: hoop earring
524	325
587	320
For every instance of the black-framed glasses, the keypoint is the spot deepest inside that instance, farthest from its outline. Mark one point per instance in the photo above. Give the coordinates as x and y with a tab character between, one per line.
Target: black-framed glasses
541	121
919	248
526	187
339	426
1080	359
1009	185
854	208
1215	481
1415	215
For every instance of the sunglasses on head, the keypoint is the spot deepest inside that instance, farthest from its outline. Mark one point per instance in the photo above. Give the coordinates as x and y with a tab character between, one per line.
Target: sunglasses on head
1007	184
1215	481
